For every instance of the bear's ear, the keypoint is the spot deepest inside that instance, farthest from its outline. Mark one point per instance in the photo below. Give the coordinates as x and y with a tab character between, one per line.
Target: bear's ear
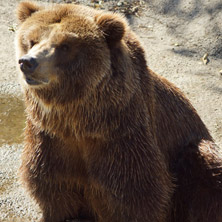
112	25
25	9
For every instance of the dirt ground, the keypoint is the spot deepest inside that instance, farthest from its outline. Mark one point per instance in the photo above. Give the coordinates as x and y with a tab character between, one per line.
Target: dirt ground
176	35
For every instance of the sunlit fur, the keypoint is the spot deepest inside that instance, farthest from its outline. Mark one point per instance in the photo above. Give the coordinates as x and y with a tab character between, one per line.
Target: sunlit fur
107	139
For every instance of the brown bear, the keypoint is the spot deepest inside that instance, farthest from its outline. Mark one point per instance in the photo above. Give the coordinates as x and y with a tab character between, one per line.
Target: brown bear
108	140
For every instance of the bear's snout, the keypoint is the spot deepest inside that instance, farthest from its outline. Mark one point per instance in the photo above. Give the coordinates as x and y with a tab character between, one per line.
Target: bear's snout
28	64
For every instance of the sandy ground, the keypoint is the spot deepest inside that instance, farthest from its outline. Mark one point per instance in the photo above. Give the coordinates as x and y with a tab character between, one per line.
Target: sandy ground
176	35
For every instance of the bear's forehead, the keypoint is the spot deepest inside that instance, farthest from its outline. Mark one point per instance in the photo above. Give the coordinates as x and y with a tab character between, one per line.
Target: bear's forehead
52	33
61	13
61	20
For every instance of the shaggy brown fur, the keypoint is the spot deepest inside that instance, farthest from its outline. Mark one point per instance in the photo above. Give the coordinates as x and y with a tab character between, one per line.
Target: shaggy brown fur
108	140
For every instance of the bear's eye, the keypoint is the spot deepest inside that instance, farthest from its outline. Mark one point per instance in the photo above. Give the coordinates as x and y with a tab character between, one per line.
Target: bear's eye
32	43
64	47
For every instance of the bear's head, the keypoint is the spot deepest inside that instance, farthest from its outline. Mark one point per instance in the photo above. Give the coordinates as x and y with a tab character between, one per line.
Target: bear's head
64	51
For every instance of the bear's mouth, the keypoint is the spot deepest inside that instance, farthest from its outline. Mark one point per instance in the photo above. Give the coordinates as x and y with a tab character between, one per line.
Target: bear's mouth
34	82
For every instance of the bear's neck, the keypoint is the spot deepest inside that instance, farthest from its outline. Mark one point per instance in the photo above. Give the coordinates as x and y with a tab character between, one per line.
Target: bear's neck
95	118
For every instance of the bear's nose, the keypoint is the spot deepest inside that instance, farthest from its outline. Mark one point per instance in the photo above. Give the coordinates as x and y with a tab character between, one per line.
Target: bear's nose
28	64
